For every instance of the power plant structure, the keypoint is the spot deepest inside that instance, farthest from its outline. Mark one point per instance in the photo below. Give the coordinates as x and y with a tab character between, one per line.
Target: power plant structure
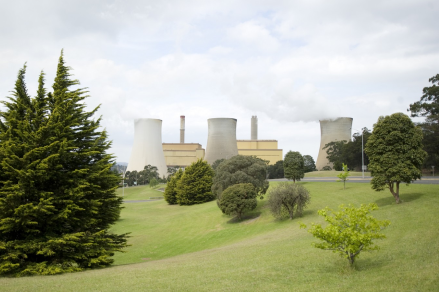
147	146
221	139
332	130
264	149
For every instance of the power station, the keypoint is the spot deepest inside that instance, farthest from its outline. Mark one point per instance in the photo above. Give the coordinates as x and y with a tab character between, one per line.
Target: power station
332	130
221	143
147	146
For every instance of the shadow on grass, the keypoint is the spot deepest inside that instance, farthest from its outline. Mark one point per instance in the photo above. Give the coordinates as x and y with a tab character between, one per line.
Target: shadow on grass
250	216
405	198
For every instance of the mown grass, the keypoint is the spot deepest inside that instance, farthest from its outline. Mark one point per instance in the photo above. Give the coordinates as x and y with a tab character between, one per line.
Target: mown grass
140	192
197	248
333	173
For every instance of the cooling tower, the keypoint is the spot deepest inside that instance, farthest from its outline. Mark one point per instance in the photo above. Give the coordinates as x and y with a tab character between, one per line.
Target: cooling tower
147	146
182	120
332	130
221	139
254	128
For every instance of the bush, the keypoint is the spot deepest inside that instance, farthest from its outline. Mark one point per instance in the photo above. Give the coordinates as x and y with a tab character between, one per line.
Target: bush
349	231
195	185
171	188
241	169
153	182
237	199
287	198
326	168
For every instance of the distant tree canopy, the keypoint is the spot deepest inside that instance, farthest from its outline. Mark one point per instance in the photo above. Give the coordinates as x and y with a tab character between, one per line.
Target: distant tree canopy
395	153
195	185
57	190
340	152
309	163
241	169
294	166
428	107
276	170
216	163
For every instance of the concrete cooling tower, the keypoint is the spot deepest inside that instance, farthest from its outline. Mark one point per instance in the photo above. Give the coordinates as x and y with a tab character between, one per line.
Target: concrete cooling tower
221	139
147	146
332	130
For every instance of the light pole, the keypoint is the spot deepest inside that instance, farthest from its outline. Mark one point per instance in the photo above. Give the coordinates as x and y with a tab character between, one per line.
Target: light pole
433	169
362	151
123	182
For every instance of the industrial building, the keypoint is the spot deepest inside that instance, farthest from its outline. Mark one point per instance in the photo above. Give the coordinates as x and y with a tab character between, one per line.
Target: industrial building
264	149
332	130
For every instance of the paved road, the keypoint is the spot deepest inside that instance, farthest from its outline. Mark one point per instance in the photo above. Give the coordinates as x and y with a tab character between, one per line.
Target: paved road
359	179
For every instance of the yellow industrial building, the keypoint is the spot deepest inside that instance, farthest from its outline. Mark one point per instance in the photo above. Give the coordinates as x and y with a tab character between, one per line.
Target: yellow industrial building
184	154
264	149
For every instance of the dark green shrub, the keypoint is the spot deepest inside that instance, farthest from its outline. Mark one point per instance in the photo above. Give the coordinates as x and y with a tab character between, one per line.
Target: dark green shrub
171	188
195	185
237	199
241	169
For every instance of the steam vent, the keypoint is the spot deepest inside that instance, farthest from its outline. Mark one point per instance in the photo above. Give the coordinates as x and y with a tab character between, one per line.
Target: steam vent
147	146
221	139
332	130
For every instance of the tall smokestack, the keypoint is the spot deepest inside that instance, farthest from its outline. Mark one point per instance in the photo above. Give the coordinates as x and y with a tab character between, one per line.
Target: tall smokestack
254	128
338	129
182	120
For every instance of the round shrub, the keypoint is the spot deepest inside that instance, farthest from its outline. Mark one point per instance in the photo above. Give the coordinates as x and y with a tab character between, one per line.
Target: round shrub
287	198
237	199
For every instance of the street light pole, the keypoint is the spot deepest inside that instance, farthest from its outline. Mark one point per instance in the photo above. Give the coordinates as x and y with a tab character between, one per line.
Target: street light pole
362	151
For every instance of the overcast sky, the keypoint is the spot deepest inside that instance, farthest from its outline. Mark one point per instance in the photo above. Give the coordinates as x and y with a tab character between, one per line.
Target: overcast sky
289	62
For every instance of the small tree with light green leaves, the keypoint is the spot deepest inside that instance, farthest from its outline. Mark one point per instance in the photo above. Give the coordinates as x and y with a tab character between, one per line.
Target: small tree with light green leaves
344	175
349	231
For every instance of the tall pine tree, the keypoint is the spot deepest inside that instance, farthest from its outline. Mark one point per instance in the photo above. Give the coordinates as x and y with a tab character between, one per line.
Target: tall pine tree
57	192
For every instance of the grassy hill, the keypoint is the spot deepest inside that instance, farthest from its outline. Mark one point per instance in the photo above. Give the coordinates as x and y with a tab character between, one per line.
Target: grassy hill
197	248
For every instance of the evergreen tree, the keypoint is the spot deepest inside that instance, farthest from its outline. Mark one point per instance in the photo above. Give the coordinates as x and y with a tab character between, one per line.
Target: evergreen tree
194	186
171	188
57	192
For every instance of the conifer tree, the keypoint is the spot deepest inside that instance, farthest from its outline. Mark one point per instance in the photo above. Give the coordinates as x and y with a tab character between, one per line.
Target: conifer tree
57	192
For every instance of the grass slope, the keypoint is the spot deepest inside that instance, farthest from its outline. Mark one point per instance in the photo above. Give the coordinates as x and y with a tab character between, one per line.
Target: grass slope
333	173
196	248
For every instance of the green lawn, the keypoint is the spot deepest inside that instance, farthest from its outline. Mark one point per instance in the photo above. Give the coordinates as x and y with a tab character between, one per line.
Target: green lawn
197	248
334	173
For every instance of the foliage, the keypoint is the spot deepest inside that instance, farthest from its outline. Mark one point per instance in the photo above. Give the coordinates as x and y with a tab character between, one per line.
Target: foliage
309	163
395	153
326	168
216	163
286	198
148	173
428	107
349	231
276	170
241	169
171	188
344	175
194	186
237	199
153	182
171	171
349	152
294	166
57	190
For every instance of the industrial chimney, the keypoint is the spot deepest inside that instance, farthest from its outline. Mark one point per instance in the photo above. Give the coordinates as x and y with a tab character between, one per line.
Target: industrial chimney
182	120
254	128
147	146
332	130
221	139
